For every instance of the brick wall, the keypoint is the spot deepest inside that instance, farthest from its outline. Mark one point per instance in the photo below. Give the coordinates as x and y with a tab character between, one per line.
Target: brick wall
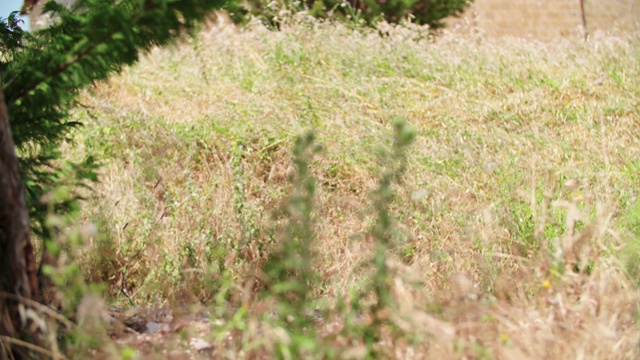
546	19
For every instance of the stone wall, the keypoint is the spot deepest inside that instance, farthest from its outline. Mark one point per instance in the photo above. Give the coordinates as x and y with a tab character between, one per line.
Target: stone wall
547	19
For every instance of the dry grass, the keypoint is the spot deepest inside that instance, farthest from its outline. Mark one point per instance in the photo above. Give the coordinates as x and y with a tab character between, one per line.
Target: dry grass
519	204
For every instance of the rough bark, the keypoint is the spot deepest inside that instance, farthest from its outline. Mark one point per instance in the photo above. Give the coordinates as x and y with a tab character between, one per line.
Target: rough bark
17	262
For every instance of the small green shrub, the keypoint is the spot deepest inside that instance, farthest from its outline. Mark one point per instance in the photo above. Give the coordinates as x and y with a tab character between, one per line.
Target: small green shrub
288	270
422	12
384	231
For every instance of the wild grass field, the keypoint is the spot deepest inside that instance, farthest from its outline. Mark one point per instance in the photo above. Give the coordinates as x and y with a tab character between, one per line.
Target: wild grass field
508	229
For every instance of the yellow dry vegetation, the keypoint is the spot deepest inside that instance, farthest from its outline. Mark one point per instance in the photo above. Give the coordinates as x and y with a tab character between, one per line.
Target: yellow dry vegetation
518	213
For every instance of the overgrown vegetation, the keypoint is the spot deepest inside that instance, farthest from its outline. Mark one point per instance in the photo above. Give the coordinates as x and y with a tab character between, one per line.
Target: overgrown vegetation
511	215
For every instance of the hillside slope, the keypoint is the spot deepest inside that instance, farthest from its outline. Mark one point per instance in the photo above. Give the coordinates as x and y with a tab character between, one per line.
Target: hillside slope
518	218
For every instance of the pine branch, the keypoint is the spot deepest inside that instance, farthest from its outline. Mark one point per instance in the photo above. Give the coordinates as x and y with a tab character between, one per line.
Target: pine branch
56	71
149	7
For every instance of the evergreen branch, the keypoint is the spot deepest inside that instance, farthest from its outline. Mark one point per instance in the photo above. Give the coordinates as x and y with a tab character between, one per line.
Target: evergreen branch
57	71
149	7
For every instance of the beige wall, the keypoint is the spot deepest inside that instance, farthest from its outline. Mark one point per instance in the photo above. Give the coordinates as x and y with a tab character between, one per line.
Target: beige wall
613	14
546	19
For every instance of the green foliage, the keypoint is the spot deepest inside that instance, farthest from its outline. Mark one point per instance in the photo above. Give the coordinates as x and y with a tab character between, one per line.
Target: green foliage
423	12
244	214
384	230
11	35
288	271
289	274
44	72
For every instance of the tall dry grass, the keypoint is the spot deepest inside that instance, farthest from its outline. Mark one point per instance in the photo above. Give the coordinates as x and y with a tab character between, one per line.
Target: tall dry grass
516	223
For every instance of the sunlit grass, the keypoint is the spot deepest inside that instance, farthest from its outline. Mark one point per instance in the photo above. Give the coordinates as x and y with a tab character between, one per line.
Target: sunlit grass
517	208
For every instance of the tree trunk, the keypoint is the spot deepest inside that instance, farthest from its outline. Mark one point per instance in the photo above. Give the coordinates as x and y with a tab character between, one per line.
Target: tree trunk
17	262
